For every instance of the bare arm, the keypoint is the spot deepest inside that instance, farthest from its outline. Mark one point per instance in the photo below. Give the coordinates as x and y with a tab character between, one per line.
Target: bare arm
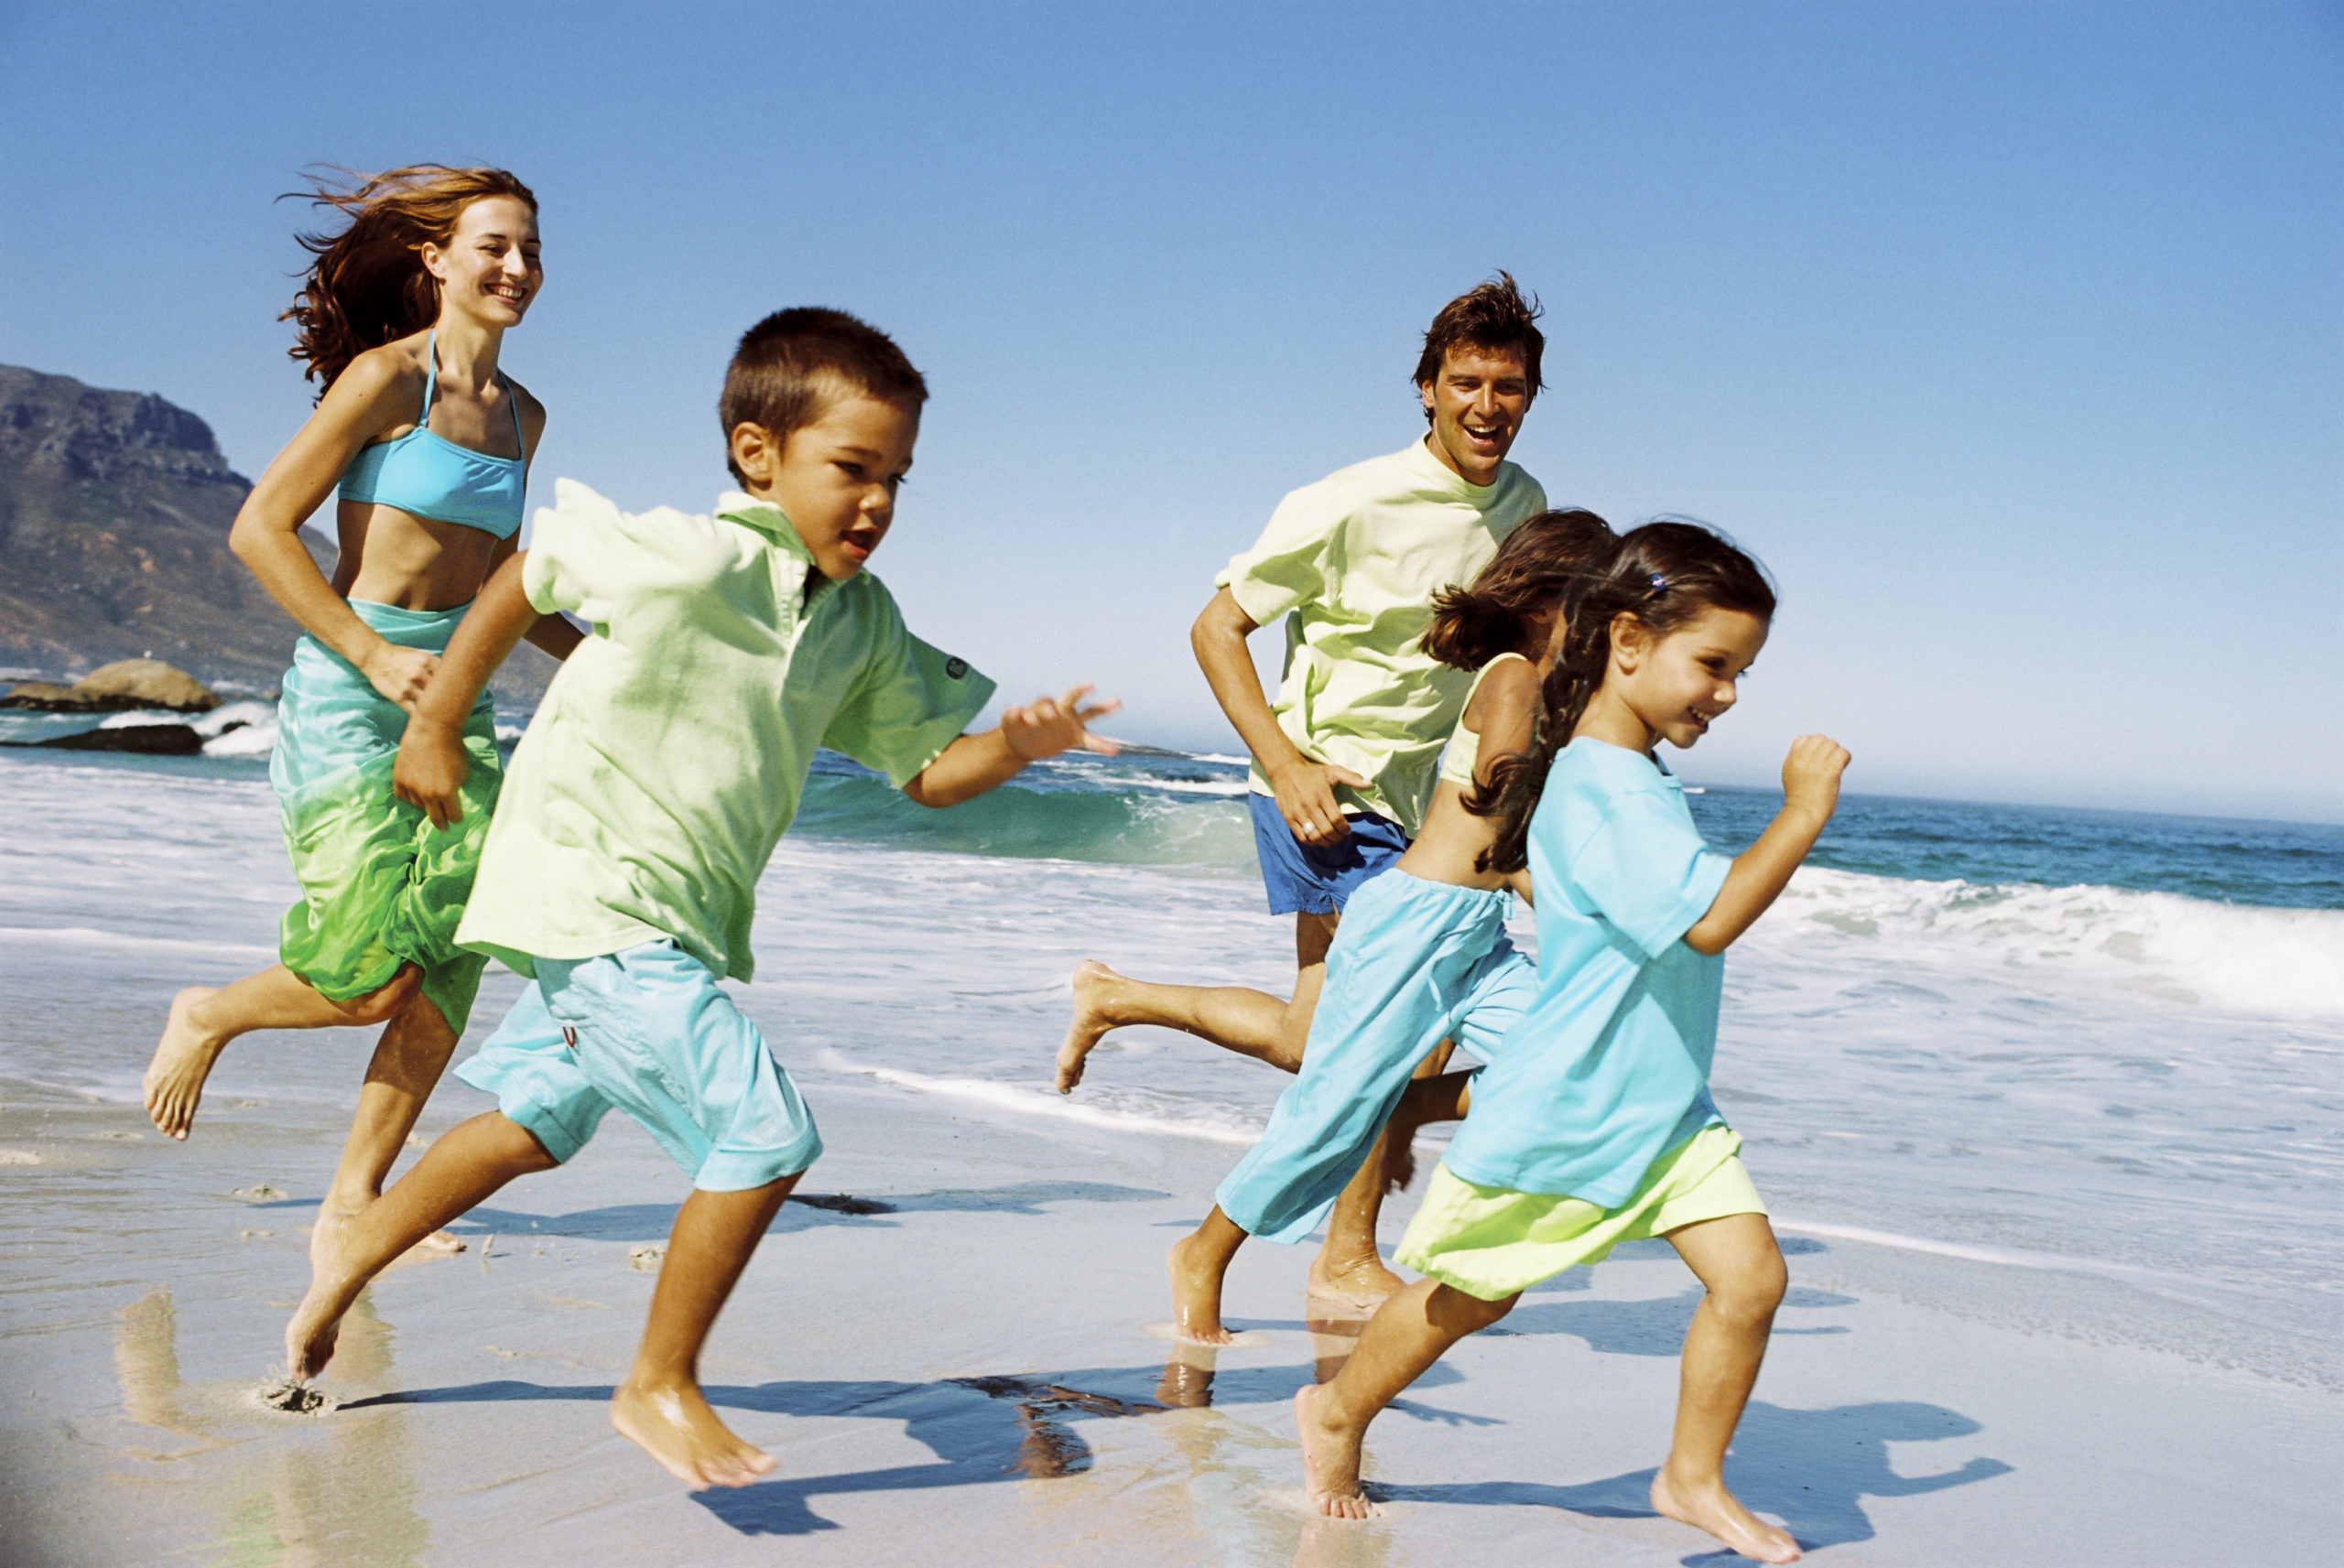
1810	793
973	764
432	764
366	400
1305	788
553	633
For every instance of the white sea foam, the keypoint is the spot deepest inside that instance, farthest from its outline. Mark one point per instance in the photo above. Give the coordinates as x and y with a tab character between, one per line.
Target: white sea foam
1197	786
2001	1257
2278	962
1121	1110
89	939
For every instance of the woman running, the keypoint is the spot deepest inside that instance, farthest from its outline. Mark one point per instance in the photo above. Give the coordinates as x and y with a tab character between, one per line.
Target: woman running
427	442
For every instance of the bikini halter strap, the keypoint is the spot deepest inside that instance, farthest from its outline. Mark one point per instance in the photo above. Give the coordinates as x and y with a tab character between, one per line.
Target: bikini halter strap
430	373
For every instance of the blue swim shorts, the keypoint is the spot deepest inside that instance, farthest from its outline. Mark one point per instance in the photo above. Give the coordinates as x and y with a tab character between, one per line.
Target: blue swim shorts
649	1030
1312	878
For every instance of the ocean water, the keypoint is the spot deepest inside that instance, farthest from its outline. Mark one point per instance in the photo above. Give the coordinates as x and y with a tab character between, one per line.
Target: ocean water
2079	1070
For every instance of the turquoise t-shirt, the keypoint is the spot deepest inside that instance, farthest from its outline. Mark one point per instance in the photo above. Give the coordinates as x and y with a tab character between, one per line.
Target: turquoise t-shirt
1611	1067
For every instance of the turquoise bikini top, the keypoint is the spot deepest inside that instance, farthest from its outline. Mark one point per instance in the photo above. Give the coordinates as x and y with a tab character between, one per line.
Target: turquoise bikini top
430	476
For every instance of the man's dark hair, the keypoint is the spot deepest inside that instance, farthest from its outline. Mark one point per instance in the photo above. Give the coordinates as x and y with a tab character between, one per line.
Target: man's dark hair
792	364
1490	317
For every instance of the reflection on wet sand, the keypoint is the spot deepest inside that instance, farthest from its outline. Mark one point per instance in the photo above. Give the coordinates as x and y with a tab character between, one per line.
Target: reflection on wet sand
1240	1490
333	1493
146	1368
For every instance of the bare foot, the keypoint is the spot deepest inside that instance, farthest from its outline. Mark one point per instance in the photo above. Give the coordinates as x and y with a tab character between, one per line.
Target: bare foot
316	1323
1708	1505
673	1423
1092	982
182	1061
1196	1296
1363	1283
1329	1462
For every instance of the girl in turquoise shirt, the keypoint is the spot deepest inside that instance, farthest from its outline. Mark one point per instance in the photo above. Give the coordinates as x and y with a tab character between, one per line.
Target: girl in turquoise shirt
1595	1125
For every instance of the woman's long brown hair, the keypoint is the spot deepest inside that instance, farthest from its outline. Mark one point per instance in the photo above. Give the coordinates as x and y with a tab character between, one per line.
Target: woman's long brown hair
1664	574
367	285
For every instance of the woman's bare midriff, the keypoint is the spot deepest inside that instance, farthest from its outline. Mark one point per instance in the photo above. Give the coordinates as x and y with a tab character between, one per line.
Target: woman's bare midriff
390	556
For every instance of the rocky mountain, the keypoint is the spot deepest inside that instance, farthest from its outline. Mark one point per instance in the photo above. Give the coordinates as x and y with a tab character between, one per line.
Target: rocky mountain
115	509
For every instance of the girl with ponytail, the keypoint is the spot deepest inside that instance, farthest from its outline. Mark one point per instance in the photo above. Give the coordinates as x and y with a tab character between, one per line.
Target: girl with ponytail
427	442
1594	1123
1421	957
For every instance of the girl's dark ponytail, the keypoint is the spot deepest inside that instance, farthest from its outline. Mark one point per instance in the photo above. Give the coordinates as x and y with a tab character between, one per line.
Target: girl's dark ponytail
1538	564
1664	574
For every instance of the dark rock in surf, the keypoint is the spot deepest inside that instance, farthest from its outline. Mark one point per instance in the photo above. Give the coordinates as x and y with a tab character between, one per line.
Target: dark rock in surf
142	740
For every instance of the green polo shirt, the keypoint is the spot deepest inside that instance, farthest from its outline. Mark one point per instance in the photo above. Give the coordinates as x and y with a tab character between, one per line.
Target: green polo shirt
1352	563
671	752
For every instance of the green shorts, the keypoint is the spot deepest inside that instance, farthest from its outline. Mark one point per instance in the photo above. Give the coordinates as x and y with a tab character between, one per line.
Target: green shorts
1491	1242
381	887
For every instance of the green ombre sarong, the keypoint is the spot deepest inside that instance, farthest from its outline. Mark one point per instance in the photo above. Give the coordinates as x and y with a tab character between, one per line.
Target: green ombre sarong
380	887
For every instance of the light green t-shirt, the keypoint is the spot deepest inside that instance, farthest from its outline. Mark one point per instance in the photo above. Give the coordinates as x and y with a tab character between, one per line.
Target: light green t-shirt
669	753
1352	563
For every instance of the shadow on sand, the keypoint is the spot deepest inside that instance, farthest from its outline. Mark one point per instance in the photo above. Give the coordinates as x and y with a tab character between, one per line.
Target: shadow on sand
982	1429
652	1221
1810	1468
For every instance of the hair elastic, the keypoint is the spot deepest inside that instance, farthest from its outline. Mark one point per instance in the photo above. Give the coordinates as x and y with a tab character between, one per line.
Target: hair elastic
1659	583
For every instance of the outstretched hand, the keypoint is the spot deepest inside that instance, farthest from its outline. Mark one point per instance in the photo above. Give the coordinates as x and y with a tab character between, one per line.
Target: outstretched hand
1046	726
431	770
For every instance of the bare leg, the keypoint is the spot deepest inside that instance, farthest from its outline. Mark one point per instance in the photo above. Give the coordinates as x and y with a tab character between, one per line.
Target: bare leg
1250	1022
1348	1268
1412	1331
660	1408
406	1066
455	1175
1198	1262
204	1018
1437	1096
1736	1258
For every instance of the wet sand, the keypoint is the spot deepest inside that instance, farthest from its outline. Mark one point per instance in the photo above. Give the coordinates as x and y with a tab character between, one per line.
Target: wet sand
969	1376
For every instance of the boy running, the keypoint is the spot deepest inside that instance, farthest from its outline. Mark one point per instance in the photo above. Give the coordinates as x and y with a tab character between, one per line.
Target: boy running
660	771
1345	762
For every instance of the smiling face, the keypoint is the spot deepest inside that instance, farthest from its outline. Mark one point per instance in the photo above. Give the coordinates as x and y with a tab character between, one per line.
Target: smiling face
489	268
1477	405
1673	686
836	478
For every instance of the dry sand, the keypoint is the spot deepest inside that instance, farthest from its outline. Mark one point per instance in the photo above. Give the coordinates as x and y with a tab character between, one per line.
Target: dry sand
969	1378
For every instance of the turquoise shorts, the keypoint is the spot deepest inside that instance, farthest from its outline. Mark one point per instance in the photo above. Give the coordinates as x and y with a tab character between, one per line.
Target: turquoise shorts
1412	963
650	1032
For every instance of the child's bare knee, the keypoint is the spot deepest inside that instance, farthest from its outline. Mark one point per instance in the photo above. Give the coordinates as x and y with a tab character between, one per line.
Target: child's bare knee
516	1145
1750	1295
1452	1309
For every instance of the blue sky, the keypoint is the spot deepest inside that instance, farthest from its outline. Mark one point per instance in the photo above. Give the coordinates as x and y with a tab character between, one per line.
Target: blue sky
2010	337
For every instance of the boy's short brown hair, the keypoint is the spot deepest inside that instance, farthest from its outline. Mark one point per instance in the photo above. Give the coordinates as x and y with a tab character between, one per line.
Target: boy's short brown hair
790	366
1492	317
